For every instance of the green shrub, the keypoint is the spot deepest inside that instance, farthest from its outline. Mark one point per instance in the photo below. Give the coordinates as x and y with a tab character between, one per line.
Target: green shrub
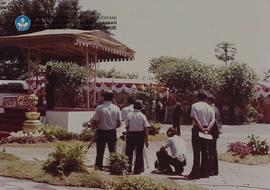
86	134
250	114
133	183
118	163
154	128
65	159
57	133
143	183
258	146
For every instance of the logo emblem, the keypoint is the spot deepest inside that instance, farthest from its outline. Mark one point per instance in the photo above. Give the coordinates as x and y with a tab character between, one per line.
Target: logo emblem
22	23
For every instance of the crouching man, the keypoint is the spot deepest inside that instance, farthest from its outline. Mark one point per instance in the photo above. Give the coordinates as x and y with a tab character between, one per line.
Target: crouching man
177	159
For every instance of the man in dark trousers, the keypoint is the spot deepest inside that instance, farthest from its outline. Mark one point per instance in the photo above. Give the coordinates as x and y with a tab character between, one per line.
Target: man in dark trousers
137	136
107	118
215	131
203	120
50	87
177	116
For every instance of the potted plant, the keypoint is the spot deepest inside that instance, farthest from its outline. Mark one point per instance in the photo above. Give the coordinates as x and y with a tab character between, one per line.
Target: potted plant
118	163
154	128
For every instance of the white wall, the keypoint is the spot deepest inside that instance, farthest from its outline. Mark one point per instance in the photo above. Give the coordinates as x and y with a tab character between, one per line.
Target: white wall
71	120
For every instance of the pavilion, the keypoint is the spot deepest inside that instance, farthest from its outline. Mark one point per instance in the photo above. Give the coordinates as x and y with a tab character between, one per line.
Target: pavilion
80	46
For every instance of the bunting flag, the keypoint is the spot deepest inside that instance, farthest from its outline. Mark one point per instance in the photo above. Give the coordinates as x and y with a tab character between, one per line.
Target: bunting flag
263	89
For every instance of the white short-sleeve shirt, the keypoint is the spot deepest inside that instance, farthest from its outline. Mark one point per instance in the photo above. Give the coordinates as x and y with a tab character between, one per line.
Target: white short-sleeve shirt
204	112
177	146
126	110
136	121
107	115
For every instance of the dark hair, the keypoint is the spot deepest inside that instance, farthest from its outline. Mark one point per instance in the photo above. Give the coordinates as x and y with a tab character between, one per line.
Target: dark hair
48	68
138	104
131	99
108	95
211	98
202	95
171	132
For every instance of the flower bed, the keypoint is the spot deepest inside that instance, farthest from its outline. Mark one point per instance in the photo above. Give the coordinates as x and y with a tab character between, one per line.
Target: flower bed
255	151
25	138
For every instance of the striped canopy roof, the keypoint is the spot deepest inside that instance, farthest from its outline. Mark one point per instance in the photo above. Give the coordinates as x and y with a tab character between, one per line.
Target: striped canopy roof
70	43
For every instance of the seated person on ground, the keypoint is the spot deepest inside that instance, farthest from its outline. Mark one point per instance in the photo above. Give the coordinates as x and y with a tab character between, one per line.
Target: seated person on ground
177	159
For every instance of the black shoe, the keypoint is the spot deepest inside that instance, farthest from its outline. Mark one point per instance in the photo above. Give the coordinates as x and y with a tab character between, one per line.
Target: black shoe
205	176
191	177
178	173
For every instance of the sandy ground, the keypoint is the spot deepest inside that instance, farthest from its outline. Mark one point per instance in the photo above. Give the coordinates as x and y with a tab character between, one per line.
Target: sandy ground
232	176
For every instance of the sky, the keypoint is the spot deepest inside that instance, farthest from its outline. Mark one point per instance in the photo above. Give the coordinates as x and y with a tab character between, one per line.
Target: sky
188	28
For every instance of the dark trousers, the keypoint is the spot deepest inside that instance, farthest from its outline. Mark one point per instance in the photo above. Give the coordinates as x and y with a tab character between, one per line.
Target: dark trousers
135	141
213	157
165	161
201	157
176	125
102	138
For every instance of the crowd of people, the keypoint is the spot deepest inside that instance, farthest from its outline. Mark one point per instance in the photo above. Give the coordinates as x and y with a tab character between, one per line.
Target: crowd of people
205	132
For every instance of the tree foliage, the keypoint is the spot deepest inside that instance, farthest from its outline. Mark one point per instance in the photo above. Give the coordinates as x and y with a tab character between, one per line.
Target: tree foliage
70	83
112	73
186	75
267	75
155	63
237	82
44	14
225	52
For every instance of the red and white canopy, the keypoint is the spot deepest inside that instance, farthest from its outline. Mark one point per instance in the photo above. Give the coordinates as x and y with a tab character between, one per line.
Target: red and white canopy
263	89
130	86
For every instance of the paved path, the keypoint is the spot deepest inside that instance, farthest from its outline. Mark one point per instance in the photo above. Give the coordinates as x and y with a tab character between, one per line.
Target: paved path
15	184
232	176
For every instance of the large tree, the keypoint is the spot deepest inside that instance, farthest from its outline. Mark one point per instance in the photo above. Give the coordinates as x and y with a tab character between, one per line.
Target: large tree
236	82
44	14
225	52
185	75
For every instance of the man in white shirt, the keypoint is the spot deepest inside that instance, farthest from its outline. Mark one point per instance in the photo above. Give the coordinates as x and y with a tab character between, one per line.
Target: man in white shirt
178	154
203	120
107	118
137	136
126	110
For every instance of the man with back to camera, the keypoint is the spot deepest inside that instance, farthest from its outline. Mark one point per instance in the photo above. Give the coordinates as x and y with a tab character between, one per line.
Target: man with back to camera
137	136
178	154
129	108
107	118
203	120
215	131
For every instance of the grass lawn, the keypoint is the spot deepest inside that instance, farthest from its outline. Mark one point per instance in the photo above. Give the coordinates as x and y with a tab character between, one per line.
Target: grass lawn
152	138
12	166
248	160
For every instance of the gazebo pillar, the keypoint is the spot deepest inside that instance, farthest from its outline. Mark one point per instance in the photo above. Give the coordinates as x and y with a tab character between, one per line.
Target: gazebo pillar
28	68
95	77
87	79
